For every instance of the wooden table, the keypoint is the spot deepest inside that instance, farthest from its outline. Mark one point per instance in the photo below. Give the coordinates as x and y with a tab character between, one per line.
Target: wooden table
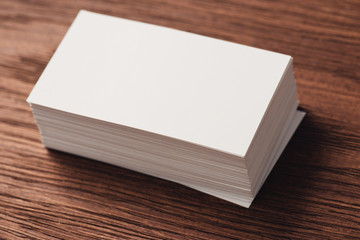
312	193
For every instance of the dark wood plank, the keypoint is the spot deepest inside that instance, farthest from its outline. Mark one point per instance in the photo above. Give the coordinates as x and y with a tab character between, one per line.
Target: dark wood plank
312	193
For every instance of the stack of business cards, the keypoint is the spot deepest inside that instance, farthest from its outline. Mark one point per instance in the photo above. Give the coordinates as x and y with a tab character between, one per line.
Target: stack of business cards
207	113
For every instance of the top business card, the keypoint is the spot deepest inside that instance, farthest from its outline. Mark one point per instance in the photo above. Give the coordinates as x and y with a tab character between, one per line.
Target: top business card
194	88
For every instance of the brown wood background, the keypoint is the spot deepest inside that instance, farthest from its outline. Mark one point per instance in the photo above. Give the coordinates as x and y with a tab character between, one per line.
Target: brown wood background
312	193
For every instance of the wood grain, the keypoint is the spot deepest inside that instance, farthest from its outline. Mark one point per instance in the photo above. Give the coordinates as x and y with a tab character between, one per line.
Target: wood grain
312	193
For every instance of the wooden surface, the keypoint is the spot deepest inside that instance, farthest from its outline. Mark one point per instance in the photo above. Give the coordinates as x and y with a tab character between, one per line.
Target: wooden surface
312	193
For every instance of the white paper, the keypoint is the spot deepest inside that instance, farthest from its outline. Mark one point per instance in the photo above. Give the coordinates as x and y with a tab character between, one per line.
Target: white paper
182	85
